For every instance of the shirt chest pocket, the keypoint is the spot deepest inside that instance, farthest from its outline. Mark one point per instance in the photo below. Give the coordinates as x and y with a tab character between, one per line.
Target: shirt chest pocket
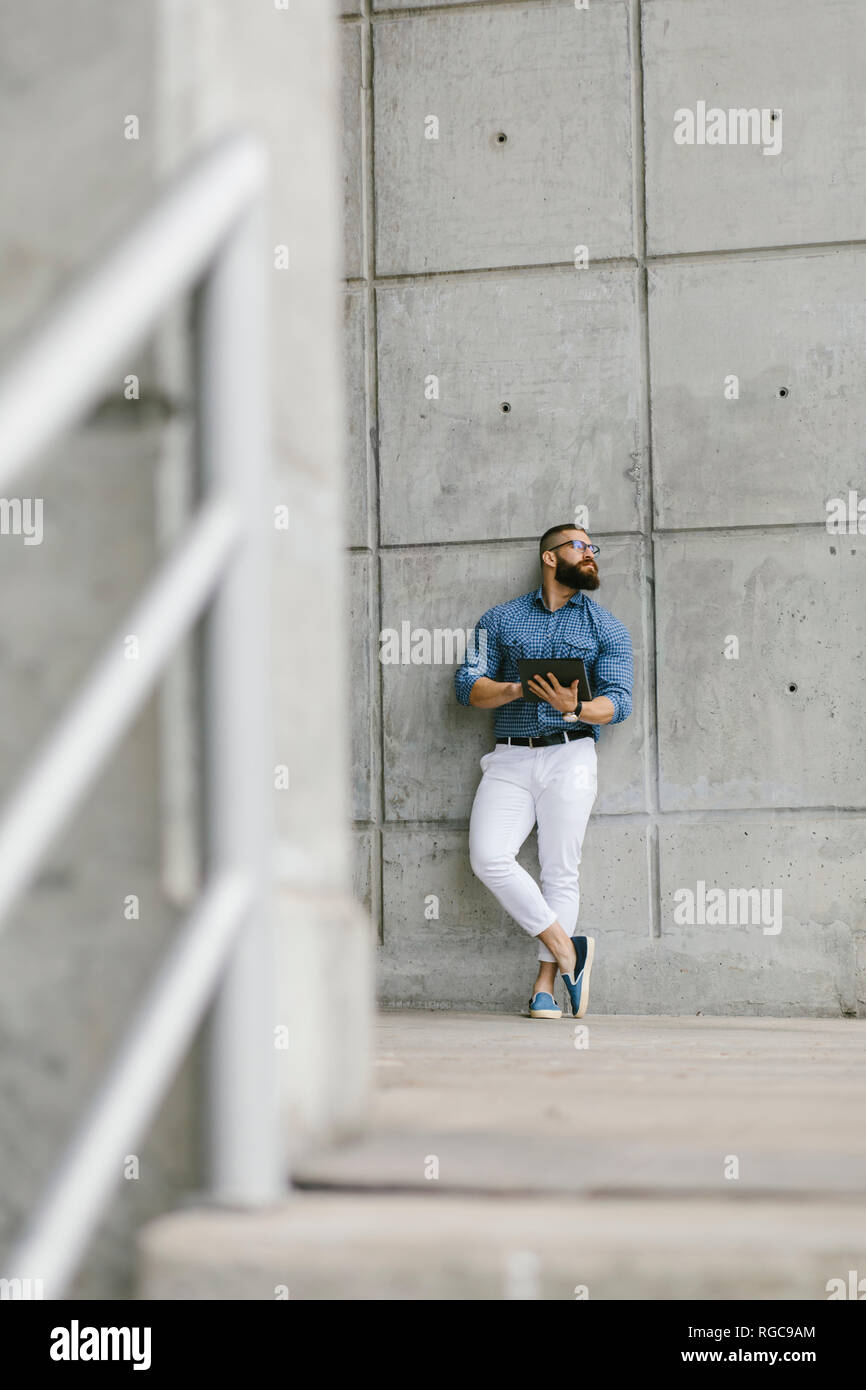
524	648
584	650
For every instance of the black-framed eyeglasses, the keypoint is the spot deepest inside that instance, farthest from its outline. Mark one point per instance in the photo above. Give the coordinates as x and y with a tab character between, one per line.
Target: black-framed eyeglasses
577	545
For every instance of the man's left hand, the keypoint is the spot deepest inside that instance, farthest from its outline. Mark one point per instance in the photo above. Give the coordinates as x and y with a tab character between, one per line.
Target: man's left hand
562	697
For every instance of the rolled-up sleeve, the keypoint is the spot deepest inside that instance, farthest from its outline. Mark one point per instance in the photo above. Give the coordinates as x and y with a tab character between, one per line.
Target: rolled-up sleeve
483	656
614	670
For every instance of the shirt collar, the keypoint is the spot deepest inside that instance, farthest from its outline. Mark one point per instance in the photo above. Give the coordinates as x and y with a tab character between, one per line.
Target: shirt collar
539	599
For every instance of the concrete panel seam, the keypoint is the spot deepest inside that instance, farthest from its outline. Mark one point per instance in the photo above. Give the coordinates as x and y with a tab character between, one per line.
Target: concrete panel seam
505	272
460	6
758	253
646	564
686	816
368	193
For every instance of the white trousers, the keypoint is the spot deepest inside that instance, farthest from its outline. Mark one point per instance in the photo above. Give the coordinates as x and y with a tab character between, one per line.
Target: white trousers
555	786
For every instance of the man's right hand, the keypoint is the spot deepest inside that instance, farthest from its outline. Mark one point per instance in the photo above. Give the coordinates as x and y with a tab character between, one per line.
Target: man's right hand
488	694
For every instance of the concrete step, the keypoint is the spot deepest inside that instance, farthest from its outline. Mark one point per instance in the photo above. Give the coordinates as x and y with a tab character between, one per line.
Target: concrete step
349	1246
503	1161
520	1164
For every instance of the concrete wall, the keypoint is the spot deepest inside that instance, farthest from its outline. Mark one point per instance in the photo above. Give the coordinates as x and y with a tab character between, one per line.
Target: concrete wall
275	71
73	967
743	763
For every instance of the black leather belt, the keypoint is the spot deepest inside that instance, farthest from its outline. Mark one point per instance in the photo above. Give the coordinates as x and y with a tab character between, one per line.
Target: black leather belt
564	736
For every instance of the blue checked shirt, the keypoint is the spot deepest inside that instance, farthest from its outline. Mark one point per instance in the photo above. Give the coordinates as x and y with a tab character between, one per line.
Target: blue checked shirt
526	627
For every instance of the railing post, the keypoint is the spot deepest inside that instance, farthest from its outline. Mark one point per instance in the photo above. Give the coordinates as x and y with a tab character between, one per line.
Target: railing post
244	1156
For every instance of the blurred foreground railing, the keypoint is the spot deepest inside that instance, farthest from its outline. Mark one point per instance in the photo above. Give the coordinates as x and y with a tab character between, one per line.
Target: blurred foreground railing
206	236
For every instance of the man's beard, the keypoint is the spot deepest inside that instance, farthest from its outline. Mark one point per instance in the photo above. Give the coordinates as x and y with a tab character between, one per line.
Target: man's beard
576	576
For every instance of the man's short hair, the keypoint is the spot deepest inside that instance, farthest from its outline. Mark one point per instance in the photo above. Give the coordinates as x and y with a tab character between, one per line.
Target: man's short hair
552	533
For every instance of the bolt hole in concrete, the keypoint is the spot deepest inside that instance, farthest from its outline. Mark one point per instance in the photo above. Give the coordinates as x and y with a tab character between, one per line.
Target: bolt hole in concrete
505	407
792	687
783	391
501	138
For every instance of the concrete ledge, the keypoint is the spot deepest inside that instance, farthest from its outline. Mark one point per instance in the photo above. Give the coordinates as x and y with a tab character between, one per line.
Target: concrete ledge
437	1247
532	1164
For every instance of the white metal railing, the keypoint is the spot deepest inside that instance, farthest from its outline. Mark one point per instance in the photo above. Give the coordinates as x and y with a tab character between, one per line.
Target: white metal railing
204	236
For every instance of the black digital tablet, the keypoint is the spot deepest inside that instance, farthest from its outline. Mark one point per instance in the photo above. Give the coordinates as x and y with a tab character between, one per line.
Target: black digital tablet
566	670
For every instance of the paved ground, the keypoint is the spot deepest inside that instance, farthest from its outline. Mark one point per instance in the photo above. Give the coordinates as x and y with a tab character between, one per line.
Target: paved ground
664	1101
660	1158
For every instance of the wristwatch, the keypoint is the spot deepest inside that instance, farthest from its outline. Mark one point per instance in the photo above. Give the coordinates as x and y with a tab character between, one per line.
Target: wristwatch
573	718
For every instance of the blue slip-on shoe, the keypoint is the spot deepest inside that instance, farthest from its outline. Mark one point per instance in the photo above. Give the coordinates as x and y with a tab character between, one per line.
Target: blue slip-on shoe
578	984
543	1005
